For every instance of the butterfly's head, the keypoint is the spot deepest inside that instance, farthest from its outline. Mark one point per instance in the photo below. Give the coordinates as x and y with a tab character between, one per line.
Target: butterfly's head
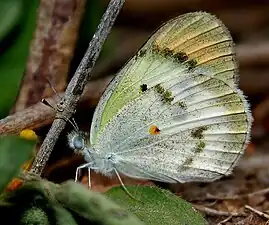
77	140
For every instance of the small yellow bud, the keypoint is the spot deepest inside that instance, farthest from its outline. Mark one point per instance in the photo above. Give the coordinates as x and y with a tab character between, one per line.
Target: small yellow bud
28	134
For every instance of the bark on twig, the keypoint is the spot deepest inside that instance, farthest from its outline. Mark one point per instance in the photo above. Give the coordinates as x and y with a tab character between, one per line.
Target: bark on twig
214	212
264	215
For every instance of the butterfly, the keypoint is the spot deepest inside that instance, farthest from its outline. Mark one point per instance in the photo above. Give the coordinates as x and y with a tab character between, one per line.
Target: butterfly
174	112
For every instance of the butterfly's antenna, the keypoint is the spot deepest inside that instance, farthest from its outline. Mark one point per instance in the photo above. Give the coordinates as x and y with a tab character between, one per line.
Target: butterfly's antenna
72	121
45	102
74	124
123	186
54	90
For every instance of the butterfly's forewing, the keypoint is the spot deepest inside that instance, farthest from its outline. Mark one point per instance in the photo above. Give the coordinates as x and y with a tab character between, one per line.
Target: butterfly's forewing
204	39
173	113
198	39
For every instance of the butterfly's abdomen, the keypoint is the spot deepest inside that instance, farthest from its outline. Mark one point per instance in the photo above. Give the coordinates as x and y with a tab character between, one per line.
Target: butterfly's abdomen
105	165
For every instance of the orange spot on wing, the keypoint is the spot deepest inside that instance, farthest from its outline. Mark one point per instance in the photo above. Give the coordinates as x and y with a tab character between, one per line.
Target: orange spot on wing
154	130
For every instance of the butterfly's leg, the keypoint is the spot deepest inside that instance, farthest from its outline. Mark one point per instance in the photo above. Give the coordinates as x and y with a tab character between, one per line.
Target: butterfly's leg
79	168
89	176
122	184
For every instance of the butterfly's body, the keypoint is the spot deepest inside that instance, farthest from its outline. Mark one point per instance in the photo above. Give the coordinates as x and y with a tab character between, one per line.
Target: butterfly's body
174	112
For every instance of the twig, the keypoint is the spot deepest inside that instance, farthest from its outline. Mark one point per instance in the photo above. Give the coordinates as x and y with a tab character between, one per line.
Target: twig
67	105
214	212
259	192
39	115
225	220
247	220
264	215
232	197
27	176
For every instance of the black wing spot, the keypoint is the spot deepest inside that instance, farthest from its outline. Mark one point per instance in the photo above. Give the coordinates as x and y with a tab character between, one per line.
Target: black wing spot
143	87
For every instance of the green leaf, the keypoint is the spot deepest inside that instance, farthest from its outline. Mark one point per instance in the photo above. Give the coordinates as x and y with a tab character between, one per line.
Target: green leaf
156	206
14	151
63	216
93	206
10	12
13	59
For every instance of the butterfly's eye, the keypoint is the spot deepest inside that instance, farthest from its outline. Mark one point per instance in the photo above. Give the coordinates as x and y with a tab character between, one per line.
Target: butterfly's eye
78	142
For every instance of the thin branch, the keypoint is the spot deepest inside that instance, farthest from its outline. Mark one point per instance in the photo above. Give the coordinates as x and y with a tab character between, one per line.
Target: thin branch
67	106
232	197
214	212
39	115
225	220
264	215
247	220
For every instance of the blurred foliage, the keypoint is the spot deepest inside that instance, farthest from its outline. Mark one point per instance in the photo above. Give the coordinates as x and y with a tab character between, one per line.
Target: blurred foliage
42	202
17	24
11	11
14	151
